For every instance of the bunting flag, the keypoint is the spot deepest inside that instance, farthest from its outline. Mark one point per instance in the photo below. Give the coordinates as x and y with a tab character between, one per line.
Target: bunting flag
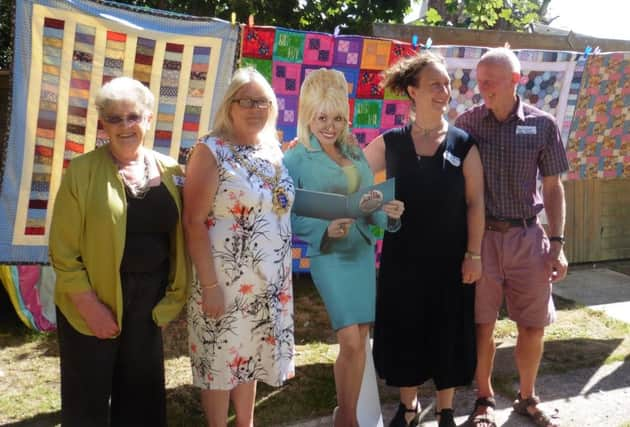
64	51
599	142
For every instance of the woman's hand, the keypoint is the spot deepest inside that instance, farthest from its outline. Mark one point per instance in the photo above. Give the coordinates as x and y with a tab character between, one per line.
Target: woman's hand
212	301
394	209
338	228
98	316
471	270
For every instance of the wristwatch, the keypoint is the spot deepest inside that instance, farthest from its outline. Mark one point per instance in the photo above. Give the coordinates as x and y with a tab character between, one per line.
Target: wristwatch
471	255
559	239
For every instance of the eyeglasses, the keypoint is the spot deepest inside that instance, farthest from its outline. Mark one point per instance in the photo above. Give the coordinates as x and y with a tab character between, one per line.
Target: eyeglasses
262	104
130	119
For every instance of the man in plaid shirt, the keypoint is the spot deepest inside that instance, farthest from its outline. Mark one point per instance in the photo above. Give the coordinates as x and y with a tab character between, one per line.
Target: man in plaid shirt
520	260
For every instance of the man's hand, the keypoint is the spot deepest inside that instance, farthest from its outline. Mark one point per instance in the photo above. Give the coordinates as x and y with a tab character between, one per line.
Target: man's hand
558	262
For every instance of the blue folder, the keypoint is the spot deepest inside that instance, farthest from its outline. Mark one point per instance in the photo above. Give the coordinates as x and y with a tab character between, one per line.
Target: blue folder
317	204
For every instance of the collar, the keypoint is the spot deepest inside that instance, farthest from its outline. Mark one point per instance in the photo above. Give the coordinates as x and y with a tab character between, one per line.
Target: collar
315	146
517	112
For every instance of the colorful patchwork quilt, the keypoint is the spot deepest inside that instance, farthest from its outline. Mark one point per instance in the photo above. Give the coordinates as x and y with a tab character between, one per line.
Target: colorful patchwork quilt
599	142
285	56
64	51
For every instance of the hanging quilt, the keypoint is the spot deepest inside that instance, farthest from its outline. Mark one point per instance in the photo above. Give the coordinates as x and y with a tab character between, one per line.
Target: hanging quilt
64	51
599	142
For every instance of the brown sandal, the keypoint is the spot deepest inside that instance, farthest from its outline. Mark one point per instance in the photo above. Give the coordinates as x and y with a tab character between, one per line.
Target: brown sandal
487	418
539	417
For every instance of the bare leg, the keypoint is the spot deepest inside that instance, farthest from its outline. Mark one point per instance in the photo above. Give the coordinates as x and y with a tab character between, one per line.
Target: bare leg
243	398
349	372
409	398
486	350
485	359
215	405
528	353
445	398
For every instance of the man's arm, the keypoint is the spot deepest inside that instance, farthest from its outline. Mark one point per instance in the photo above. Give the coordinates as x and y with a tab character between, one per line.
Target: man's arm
555	208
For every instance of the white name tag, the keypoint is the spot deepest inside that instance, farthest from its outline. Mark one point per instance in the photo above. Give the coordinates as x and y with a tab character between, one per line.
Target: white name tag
178	180
452	159
526	130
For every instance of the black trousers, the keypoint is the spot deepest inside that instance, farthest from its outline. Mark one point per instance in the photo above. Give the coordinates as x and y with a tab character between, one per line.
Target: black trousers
117	382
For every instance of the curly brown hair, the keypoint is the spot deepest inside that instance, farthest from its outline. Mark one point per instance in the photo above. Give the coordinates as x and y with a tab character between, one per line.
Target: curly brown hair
406	72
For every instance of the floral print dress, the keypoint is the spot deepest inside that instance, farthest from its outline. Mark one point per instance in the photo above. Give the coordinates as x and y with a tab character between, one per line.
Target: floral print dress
251	247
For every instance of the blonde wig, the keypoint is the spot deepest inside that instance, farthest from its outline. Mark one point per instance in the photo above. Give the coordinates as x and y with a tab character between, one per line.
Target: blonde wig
323	91
123	89
223	126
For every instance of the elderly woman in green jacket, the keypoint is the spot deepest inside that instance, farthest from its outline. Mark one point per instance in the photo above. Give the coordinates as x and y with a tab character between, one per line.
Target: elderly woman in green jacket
117	248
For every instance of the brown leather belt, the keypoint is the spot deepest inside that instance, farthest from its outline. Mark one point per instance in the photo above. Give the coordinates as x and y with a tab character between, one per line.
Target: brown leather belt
503	225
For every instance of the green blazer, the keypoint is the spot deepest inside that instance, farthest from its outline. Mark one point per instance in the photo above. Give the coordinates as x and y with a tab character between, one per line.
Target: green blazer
87	237
312	169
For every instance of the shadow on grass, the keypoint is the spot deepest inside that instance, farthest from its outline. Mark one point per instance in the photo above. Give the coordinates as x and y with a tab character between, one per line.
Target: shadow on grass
274	405
560	357
48	419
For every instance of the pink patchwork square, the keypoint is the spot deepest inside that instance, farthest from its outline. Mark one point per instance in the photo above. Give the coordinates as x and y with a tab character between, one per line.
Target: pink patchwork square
394	114
285	78
318	49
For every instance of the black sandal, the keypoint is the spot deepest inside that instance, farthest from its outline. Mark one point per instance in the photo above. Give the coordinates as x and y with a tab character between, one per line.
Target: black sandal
446	418
399	419
486	419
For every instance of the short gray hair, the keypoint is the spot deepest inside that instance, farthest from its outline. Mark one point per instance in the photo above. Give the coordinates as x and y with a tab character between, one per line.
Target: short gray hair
504	56
124	89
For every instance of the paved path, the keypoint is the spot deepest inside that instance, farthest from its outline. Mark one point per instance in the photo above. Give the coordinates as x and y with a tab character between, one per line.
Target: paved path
589	397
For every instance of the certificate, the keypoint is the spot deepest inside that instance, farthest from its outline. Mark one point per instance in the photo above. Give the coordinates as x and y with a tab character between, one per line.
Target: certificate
363	202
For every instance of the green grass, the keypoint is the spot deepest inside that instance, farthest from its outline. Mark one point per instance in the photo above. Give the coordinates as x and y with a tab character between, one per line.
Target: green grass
29	371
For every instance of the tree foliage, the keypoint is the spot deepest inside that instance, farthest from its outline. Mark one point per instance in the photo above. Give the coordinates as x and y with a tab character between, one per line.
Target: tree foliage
353	16
514	15
356	16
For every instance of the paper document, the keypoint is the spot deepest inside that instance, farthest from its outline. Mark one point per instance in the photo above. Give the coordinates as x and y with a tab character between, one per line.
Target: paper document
317	204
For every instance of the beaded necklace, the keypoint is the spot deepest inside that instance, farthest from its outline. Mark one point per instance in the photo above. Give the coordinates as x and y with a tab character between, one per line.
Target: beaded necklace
279	196
139	190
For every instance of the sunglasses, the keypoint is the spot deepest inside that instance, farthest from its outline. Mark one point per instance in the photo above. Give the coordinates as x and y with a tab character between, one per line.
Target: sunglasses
262	104
131	119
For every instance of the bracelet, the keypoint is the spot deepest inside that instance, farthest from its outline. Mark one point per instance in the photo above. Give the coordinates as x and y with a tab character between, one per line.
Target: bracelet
559	239
210	286
471	255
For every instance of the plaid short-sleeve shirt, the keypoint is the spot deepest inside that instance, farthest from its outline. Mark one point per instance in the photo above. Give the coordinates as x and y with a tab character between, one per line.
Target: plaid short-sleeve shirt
513	152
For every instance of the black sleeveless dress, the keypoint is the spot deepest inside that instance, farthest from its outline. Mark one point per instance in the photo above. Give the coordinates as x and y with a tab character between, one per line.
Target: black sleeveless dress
424	326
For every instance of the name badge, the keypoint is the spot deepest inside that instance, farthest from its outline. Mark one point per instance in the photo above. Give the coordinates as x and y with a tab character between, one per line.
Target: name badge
178	180
526	130
452	159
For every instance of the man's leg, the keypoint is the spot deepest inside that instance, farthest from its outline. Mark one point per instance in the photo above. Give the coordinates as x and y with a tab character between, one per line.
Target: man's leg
485	359
528	353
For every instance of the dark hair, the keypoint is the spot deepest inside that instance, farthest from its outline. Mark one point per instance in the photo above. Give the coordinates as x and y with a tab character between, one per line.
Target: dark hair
406	72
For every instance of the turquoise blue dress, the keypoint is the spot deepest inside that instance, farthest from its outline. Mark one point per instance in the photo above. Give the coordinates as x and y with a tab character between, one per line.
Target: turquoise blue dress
343	270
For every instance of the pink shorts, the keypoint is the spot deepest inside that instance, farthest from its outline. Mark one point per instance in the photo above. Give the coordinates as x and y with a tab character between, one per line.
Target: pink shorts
515	266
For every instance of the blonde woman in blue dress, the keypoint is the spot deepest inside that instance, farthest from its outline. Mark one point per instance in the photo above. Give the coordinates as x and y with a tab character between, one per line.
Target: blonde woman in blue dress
341	251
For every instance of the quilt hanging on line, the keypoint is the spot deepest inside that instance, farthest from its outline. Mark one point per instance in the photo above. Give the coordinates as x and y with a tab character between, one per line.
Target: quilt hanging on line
285	56
599	142
64	52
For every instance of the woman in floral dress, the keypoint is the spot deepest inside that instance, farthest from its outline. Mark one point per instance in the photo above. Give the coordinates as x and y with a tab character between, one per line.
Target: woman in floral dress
237	198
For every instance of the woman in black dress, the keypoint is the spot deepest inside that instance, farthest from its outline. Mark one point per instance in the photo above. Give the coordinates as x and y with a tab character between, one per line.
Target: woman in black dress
424	327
